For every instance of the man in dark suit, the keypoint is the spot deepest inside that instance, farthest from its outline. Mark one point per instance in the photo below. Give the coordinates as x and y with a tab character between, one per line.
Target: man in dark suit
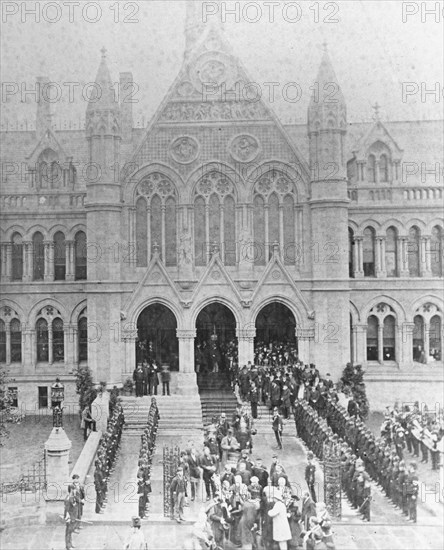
278	427
70	516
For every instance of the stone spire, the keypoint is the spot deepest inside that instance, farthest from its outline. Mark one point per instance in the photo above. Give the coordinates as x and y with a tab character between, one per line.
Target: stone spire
103	97
327	117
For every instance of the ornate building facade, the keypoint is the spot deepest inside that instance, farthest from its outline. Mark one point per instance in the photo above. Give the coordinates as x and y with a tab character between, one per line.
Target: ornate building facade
217	219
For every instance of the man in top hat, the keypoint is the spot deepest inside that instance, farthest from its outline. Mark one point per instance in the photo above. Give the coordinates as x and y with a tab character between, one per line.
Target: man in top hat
136	539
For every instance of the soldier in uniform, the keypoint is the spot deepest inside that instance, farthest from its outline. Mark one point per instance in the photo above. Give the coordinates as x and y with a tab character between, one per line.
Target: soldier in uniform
70	516
412	491
310	471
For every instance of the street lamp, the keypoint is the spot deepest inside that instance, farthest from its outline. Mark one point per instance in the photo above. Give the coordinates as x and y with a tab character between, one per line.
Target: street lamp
57	397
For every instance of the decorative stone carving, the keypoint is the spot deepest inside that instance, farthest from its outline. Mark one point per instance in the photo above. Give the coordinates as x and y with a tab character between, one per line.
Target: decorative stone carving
213	111
213	68
214	182
276	274
185	257
274	180
156	183
185	89
244	148
215	275
184	150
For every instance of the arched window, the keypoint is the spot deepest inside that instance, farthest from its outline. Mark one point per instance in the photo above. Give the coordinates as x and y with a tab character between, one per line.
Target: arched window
214	218
17	257
83	338
351	244
259	231
2	341
275	201
413	252
200	244
391	240
170	232
141	233
59	256
418	339
289	232
58	341
389	339
352	171
368	248
436	337
436	250
371	169
49	173
156	219
42	340
383	169
16	341
372	338
38	256
80	256
229	245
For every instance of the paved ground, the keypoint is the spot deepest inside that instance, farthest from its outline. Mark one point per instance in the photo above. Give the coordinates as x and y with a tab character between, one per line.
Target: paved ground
27	439
387	531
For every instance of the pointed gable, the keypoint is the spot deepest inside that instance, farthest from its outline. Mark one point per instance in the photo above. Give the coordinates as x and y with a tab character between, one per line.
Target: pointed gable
47	141
376	133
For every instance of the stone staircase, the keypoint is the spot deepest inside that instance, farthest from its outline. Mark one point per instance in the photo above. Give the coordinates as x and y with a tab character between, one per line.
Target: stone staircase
179	414
216	396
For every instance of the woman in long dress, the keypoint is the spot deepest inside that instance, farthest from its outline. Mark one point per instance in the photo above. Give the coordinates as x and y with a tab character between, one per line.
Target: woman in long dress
281	527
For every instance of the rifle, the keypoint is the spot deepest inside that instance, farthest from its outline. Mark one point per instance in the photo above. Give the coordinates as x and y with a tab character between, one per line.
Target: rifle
368	499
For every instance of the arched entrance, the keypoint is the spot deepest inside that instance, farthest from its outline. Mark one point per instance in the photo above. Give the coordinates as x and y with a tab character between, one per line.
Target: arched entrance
275	324
156	336
215	343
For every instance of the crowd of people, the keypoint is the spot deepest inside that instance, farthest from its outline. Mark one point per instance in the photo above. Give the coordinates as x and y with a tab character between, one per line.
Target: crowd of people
147	376
148	441
316	433
408	427
253	506
106	456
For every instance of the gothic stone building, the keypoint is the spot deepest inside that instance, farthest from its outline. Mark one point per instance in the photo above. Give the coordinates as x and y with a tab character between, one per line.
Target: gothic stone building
218	219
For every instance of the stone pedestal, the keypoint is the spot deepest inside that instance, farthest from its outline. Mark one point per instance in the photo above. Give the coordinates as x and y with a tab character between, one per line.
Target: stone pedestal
57	468
184	383
100	411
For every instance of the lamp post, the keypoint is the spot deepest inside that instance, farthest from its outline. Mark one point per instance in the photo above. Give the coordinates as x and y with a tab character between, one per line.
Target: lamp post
57	398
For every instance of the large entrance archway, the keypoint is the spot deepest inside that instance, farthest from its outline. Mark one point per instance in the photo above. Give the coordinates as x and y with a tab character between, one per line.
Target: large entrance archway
215	343
276	325
157	338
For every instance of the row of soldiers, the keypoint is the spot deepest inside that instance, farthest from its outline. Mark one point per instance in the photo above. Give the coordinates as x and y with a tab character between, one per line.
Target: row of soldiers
315	431
148	441
384	464
106	456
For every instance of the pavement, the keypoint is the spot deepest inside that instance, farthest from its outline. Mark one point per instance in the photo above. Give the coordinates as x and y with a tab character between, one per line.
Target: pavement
388	530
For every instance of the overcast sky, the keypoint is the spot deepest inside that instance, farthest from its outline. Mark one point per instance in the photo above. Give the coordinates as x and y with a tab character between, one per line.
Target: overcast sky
372	49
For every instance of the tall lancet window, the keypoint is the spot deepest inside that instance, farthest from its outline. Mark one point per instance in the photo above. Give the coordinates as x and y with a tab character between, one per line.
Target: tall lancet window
214	218
275	216
156	219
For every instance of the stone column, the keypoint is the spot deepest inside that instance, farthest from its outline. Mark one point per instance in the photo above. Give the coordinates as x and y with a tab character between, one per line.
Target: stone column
73	344
245	342
358	263
361	343
425	264
57	449
354	336
304	337
380	257
398	344
407	344
69	260
380	342
67	342
50	354
186	349
49	260
130	356
427	340
28	261
403	258
8	343
6	274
